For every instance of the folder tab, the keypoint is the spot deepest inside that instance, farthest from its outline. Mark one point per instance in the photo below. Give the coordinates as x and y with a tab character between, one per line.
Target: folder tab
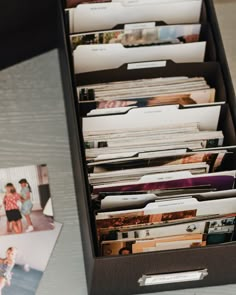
146	65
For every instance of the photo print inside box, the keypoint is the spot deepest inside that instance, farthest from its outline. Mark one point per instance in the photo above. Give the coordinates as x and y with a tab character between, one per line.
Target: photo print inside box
23	260
25	200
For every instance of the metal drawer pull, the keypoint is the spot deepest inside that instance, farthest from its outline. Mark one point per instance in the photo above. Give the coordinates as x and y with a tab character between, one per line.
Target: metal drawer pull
187	276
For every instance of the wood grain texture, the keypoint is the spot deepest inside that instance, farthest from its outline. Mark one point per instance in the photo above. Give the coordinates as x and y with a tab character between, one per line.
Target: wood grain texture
33	130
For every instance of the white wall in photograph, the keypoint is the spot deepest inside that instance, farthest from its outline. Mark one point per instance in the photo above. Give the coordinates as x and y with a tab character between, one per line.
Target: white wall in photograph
13	175
33	249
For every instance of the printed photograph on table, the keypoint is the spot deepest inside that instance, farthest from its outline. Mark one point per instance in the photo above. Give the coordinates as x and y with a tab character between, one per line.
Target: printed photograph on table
25	200
23	260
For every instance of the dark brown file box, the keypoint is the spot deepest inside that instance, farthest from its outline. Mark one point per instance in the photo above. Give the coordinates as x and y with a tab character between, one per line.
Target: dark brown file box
120	275
41	28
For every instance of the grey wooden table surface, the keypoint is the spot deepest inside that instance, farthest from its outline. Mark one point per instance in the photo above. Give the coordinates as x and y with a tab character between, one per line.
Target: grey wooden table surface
33	130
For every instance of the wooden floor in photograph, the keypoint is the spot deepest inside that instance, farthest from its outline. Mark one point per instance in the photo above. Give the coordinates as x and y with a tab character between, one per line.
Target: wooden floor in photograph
40	222
23	282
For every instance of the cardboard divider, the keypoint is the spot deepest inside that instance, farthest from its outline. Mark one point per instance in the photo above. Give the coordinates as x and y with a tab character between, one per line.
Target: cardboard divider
210	70
100	51
105	16
205	35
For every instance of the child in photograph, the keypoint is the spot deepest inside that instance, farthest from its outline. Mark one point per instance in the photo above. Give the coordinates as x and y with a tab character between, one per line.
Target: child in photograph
12	209
6	266
27	204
